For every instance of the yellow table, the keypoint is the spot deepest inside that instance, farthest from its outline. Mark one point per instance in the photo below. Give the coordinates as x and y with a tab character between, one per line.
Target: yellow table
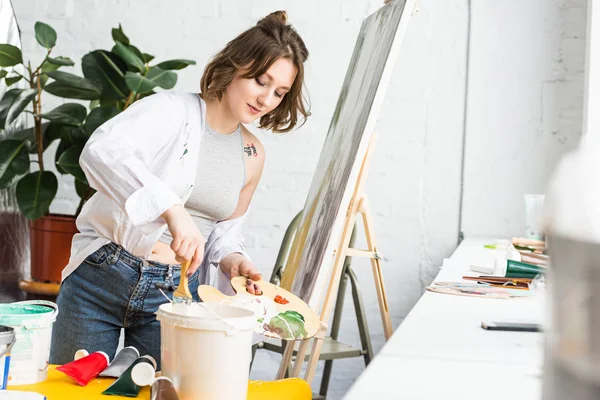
58	386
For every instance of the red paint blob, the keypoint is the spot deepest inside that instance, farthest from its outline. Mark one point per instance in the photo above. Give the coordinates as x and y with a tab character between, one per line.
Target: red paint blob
85	369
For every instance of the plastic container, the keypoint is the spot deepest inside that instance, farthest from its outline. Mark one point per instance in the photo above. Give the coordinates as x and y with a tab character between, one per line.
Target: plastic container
206	349
534	207
32	322
7	341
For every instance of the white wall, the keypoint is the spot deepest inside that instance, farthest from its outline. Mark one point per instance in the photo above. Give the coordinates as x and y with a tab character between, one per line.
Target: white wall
524	105
526	61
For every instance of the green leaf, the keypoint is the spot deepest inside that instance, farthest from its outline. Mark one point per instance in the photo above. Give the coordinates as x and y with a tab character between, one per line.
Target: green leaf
98	116
94	104
56	131
156	77
3	73
13	103
72	86
35	193
61	61
45	35
76	136
136	51
69	161
10	55
175	64
128	55
71	92
138	83
106	70
74	80
146	58
68	114
119	36
164	79
47	67
14	161
43	79
12	80
28	135
82	188
62	147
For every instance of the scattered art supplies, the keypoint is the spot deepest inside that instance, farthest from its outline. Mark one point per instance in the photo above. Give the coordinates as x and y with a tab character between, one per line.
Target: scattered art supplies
499	281
161	387
83	370
125	385
515	263
280	314
478	290
121	362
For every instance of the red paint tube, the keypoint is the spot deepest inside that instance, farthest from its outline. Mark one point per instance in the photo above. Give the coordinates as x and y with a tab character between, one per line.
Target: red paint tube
85	369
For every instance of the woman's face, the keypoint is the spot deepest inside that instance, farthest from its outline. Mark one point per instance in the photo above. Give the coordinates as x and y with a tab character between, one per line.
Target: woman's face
251	98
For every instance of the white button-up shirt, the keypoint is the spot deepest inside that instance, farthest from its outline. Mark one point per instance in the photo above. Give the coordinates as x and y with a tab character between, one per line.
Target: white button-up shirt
142	162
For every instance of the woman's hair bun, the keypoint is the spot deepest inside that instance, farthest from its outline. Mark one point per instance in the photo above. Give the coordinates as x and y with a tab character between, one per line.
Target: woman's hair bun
278	16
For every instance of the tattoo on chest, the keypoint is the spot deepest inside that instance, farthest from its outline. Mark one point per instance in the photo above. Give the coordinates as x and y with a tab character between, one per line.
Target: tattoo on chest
250	150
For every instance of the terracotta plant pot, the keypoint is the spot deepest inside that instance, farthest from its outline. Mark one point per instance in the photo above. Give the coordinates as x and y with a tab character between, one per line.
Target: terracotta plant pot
50	246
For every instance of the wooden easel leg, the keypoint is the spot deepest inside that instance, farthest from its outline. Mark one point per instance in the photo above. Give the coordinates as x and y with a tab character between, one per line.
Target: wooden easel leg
300	355
377	274
285	360
313	360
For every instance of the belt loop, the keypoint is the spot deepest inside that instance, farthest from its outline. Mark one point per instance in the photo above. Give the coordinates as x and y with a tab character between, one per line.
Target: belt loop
115	256
170	275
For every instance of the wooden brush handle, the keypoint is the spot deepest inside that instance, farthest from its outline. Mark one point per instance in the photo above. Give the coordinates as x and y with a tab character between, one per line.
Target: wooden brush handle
183	280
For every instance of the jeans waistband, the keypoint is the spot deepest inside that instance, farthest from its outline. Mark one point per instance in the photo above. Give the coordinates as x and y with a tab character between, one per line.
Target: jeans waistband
118	253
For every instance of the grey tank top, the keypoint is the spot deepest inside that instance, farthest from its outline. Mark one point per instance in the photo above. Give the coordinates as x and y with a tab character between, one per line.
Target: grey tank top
220	177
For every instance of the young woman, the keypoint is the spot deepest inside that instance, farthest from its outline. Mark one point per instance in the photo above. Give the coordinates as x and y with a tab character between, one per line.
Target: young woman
175	174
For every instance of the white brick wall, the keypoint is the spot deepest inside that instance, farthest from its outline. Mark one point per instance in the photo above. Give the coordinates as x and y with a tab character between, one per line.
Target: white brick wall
525	105
524	102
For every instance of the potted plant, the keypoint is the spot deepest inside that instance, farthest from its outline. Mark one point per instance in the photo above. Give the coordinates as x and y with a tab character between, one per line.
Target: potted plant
112	81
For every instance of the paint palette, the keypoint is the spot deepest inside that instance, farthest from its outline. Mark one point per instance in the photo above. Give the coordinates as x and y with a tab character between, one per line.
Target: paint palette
280	314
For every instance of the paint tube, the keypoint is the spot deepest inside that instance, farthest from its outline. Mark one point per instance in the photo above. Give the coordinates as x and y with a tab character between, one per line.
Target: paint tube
121	362
85	369
79	354
516	269
163	389
125	386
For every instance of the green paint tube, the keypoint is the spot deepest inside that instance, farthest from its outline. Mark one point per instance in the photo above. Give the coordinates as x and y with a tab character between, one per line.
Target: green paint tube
125	386
516	269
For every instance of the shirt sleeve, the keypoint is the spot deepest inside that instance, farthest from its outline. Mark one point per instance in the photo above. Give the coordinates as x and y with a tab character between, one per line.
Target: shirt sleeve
116	157
226	238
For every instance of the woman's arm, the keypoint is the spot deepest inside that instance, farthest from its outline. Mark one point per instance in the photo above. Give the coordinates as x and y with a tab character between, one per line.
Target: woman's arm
116	156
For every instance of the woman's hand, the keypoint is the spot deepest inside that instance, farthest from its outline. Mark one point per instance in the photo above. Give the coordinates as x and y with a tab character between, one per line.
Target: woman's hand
236	264
188	242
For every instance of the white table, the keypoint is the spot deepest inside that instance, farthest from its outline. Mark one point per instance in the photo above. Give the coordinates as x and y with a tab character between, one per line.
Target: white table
440	350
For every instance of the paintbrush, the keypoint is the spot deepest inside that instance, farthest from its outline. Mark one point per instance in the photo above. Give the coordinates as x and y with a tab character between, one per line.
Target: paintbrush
182	294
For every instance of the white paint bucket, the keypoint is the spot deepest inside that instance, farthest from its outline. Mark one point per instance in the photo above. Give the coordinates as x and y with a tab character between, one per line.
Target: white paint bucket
207	349
32	322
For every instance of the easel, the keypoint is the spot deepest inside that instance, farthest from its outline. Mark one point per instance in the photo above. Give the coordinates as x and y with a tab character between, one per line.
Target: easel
358	204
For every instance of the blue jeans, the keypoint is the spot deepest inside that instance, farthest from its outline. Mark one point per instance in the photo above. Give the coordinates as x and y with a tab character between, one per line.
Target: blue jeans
110	290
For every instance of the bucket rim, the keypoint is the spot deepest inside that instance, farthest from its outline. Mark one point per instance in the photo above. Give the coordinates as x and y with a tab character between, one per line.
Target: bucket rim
50	315
242	323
